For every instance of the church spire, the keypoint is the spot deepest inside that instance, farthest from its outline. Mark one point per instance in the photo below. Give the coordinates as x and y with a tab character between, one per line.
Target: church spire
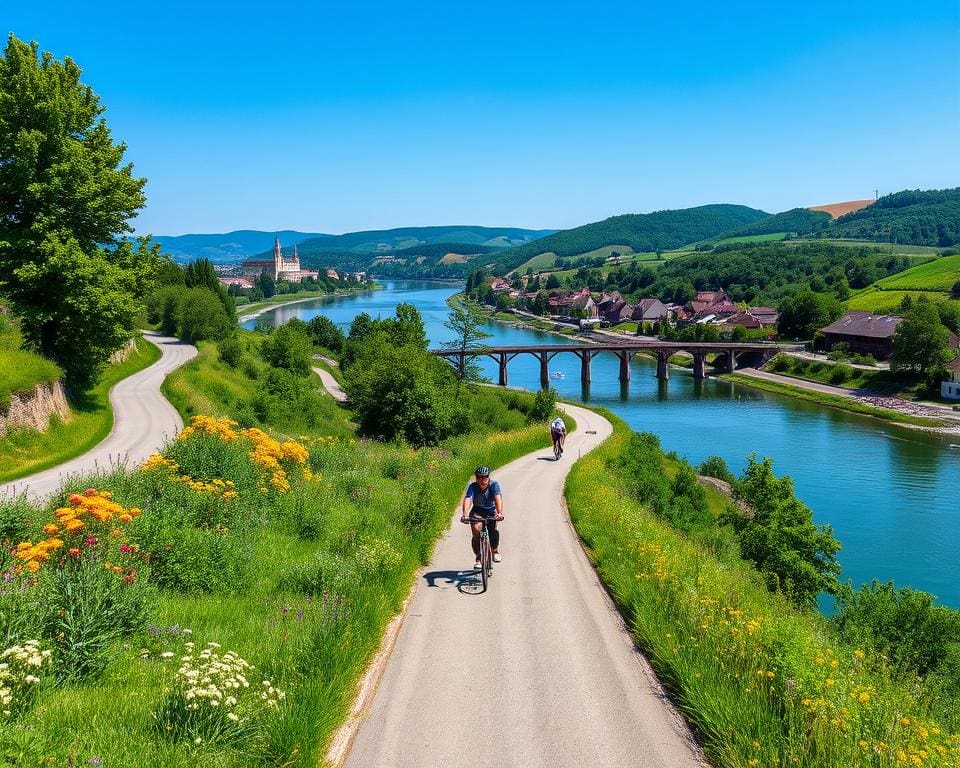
277	258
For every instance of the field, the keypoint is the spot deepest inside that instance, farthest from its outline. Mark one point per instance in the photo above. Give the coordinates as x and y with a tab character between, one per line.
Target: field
772	237
939	275
539	263
839	209
454	258
888	302
900	250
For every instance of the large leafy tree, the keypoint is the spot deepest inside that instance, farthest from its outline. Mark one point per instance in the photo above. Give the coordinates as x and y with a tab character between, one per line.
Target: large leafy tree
802	315
921	341
65	201
467	328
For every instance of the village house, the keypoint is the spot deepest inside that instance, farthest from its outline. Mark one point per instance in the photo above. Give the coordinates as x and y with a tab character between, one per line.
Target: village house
279	267
240	282
332	274
566	303
498	284
649	311
754	317
863	333
950	388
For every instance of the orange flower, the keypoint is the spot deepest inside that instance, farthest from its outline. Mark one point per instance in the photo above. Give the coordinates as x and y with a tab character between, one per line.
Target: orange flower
73	552
50	529
33	566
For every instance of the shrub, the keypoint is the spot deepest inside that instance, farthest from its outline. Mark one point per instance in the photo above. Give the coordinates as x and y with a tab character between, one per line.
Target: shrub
781	363
903	624
543	404
201	315
715	466
230	351
288	347
841	373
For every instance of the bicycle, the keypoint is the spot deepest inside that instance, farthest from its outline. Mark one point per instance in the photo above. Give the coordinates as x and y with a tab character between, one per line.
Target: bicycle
486	552
557	450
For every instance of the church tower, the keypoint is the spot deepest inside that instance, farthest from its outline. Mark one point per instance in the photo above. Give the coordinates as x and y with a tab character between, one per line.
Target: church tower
277	259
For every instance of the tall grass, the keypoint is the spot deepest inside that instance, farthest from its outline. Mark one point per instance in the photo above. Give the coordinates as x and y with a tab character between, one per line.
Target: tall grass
21	371
762	682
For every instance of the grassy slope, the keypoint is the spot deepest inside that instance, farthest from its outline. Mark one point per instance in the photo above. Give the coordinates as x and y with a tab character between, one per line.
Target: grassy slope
21	371
937	275
762	682
27	451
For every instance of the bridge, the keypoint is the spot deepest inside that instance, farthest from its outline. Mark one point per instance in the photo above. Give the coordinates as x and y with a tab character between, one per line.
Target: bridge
662	350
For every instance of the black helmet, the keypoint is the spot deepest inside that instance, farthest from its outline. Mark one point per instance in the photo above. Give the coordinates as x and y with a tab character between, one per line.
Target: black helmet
482	471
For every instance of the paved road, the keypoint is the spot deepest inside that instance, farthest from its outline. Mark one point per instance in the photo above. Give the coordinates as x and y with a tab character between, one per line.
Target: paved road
536	673
142	420
815	386
331	385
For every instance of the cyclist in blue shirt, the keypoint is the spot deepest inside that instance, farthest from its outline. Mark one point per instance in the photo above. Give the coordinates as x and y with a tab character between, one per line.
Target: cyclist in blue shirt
483	501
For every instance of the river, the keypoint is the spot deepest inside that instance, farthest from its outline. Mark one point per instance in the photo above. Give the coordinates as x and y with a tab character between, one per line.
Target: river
891	494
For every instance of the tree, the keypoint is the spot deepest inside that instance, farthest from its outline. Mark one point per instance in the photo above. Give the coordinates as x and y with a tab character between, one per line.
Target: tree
552	282
266	284
65	202
201	316
467	328
539	305
795	555
402	392
805	313
326	333
921	340
288	347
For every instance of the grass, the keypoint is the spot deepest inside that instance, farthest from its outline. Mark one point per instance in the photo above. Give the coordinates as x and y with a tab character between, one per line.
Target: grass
24	452
832	401
371	512
768	238
286	298
938	275
761	682
21	371
883	302
899	249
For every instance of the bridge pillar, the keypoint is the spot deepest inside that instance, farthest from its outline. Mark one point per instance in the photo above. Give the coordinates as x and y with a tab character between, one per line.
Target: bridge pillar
733	360
585	365
624	366
544	371
663	365
698	359
503	369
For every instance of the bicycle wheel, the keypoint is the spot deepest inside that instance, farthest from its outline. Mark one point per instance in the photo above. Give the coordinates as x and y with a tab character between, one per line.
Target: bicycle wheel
556	450
486	561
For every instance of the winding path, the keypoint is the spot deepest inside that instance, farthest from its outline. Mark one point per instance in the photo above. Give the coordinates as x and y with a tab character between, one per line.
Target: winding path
142	420
539	672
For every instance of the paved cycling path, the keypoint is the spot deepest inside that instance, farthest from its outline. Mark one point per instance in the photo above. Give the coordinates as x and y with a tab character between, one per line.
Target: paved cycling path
142	420
536	673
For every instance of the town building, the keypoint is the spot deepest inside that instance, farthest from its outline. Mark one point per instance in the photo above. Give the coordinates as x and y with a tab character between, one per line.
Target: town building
950	388
240	282
279	267
650	311
863	333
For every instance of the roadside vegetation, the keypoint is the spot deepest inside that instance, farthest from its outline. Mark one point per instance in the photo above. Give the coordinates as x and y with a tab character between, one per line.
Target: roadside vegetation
722	604
26	451
269	545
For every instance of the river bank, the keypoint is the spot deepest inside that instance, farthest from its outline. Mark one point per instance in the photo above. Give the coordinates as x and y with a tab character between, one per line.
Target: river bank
265	306
896	410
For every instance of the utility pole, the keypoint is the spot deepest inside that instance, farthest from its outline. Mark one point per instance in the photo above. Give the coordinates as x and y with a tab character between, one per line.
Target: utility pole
876	195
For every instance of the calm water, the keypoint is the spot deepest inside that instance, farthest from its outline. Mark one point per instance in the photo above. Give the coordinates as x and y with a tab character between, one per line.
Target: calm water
892	495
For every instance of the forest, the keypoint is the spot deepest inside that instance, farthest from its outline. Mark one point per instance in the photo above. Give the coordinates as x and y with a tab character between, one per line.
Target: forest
662	230
766	273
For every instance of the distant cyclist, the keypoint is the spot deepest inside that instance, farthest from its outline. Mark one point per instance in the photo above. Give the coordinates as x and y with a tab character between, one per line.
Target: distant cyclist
558	431
483	502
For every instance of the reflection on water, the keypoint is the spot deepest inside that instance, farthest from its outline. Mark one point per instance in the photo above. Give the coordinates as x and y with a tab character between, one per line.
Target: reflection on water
891	494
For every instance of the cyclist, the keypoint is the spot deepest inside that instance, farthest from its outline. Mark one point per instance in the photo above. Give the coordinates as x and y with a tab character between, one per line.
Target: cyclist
483	501
558	431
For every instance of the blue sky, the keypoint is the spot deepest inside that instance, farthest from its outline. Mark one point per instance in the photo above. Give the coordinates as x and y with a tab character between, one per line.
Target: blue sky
335	117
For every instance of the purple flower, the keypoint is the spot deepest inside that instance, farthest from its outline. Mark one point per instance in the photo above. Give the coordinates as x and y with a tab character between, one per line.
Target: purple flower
94	761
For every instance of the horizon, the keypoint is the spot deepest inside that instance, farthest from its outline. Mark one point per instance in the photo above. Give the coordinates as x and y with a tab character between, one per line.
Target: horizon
336	120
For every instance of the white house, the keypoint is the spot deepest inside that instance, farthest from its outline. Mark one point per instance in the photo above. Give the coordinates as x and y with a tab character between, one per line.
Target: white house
950	389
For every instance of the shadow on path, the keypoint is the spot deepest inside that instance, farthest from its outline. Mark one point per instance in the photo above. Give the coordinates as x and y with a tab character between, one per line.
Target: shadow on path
467	582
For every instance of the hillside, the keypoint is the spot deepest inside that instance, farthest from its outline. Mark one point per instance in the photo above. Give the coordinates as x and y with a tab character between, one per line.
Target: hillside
798	221
935	280
661	230
387	240
913	216
230	246
764	273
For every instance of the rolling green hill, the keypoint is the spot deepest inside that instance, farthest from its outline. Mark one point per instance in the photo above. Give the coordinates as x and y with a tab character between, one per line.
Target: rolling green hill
662	230
798	221
387	240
